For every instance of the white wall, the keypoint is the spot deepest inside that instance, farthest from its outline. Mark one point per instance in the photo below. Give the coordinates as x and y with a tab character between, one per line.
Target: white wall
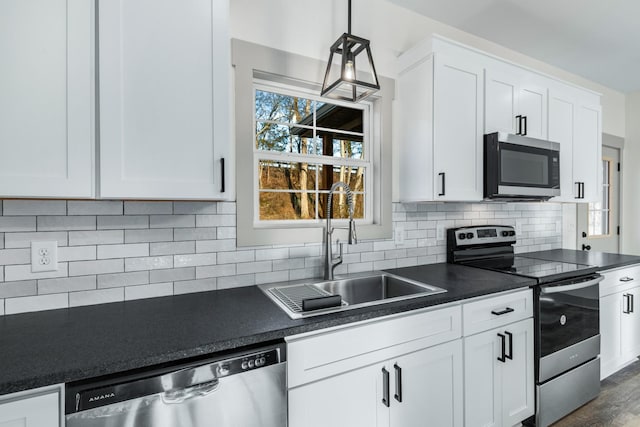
631	177
308	27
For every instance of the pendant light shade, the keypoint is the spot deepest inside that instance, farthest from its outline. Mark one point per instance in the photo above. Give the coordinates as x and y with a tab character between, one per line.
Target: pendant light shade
357	78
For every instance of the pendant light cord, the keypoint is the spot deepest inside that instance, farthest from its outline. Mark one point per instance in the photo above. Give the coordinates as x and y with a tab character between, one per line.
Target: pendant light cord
349	15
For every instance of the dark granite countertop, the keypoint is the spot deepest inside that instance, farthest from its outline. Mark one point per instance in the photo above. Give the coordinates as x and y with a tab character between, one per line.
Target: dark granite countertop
602	260
59	346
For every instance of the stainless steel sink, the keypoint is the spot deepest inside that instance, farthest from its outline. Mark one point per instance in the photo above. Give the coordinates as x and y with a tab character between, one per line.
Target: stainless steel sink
356	292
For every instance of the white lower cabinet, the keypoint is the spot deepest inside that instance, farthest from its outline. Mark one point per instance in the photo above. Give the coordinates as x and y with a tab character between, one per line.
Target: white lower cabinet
619	319
499	388
39	410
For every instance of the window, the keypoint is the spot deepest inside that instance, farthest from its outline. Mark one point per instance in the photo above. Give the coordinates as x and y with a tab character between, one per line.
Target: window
291	145
600	212
303	145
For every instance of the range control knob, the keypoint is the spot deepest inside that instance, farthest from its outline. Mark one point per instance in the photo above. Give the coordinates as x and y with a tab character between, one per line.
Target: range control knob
244	365
462	236
469	235
512	233
252	364
505	233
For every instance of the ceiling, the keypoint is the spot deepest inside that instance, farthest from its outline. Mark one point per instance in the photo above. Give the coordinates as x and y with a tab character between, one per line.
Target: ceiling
596	39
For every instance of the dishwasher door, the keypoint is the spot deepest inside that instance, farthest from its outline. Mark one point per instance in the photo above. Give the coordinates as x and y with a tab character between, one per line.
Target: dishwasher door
256	398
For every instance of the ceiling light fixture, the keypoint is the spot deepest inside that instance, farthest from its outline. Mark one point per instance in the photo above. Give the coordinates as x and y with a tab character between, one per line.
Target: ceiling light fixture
348	47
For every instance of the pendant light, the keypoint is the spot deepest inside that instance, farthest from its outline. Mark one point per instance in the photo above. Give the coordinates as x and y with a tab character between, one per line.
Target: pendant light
347	86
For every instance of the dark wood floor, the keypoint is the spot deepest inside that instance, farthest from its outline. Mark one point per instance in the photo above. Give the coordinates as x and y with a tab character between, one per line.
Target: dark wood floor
618	404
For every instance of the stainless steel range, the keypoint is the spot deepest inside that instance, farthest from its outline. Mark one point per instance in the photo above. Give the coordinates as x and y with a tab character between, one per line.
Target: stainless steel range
567	337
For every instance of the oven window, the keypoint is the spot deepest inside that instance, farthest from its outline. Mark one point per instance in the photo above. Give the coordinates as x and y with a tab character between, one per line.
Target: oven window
518	167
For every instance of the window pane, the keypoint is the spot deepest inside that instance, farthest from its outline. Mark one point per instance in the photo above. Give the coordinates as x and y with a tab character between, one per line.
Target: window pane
284	139
605	171
283	206
352	176
283	108
286	175
340	207
339	118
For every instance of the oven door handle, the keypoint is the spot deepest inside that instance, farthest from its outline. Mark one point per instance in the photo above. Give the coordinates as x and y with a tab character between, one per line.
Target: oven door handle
555	289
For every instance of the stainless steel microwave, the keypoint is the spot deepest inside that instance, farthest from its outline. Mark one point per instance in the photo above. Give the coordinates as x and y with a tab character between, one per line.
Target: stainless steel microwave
520	168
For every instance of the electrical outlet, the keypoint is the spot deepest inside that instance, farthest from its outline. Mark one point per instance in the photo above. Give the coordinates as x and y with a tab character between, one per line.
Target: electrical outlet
399	236
44	256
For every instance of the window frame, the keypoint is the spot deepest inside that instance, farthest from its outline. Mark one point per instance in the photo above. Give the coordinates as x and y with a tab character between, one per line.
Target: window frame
604	185
369	144
251	61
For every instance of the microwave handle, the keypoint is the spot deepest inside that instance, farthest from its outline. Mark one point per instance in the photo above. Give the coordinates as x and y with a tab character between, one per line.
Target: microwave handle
573	287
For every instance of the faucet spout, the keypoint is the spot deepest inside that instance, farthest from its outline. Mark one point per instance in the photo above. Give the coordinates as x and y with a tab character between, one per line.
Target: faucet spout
330	263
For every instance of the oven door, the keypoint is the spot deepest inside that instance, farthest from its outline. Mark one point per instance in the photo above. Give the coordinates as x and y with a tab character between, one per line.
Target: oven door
521	167
568	323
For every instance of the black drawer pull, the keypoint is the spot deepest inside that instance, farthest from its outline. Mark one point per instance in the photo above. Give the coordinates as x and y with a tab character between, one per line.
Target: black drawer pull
505	311
398	395
627	305
385	387
626	279
502	358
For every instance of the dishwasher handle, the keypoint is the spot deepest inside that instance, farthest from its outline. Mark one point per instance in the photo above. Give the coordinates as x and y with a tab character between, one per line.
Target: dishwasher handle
571	287
184	394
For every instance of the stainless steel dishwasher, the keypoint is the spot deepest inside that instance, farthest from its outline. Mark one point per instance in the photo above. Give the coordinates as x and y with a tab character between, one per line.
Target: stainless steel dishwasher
242	389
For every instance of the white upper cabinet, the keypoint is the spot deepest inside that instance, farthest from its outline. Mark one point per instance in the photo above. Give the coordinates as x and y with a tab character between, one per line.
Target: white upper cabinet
515	102
587	151
164	99
46	101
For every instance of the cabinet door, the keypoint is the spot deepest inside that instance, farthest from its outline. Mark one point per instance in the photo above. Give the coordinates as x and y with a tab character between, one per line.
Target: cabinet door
561	130
501	102
587	151
429	385
532	105
163	98
457	133
610	327
351	399
630	327
482	385
46	102
518	386
38	411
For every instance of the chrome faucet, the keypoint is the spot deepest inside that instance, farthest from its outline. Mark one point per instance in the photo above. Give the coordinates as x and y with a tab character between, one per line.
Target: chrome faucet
329	264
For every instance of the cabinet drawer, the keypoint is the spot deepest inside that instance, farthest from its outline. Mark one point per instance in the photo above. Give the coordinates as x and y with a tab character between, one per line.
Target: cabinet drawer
497	311
317	356
620	280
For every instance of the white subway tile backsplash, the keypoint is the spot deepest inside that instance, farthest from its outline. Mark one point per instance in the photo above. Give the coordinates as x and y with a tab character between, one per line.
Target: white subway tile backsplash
236	281
148	291
123	222
147	208
100	296
215	220
226	245
288	264
226	233
172	248
207	271
145	236
15	256
34	207
172	275
77	253
270	254
116	280
1	273
148	263
36	303
275	276
194	260
191	286
66	284
254	267
66	223
172	221
227	208
1	307
235	257
206	233
107	237
18	289
83	268
1	240
180	208
123	251
23	272
13	224
96	207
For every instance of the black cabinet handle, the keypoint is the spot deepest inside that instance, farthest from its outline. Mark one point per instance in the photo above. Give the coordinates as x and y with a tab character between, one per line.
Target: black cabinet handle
524	120
441	174
578	196
502	358
626	279
510	355
398	395
385	387
222	175
519	125
631	310
505	311
582	192
626	309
